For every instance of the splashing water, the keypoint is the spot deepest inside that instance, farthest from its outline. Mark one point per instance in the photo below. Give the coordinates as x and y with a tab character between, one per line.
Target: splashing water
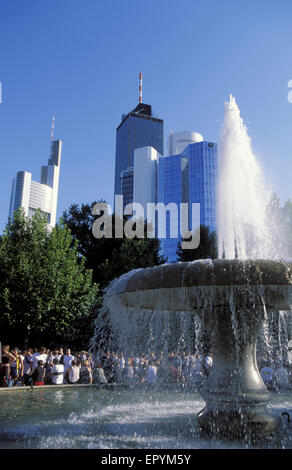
243	229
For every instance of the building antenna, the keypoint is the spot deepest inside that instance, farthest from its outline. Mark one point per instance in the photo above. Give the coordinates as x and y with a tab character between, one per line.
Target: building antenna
53	127
140	87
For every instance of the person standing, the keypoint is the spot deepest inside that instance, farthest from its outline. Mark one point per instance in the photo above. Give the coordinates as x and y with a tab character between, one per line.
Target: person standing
16	367
7	358
86	373
98	374
61	356
38	374
73	373
27	365
67	360
57	372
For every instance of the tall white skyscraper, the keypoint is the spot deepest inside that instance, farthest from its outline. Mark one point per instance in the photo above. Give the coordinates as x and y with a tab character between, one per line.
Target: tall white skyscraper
145	175
31	195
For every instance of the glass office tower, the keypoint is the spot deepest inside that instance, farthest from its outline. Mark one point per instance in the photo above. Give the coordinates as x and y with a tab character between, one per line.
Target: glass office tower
170	190
203	160
137	129
189	177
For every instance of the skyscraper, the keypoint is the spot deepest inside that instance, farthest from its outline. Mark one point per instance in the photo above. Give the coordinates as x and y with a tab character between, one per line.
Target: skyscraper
145	176
31	195
139	128
189	177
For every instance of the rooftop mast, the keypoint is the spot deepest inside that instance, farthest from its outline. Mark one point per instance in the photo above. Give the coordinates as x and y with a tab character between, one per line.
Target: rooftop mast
140	87
53	127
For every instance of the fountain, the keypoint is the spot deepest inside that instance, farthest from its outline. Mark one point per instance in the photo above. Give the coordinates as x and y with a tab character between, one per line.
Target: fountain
231	297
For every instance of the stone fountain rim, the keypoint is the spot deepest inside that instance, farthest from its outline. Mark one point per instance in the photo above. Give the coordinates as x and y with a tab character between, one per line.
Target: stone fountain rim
207	273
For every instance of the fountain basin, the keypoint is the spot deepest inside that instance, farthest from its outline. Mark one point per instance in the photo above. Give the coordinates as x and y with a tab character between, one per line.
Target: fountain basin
185	286
232	298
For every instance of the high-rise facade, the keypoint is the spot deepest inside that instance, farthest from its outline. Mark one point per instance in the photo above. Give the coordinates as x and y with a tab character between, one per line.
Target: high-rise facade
189	177
170	190
137	129
145	176
32	195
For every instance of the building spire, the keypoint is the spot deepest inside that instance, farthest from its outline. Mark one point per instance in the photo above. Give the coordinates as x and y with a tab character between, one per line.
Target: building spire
140	87
53	127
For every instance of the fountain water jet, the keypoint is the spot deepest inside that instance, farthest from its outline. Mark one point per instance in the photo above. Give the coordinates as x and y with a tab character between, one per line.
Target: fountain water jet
244	225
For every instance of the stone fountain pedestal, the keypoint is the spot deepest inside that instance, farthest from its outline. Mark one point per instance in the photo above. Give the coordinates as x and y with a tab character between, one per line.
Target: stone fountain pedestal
235	394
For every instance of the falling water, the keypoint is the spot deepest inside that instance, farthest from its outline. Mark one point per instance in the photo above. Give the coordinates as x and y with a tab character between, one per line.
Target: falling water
247	226
243	198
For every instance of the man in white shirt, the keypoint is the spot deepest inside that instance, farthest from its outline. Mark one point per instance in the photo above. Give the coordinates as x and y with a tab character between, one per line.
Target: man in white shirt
68	358
57	373
53	355
39	356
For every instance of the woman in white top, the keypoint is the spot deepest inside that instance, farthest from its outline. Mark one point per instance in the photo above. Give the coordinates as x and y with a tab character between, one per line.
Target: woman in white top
73	373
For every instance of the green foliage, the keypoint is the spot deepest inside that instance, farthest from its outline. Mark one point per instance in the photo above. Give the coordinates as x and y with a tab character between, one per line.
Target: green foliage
206	249
109	257
45	292
131	254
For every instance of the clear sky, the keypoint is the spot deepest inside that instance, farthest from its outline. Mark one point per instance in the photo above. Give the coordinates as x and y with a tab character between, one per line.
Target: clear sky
80	60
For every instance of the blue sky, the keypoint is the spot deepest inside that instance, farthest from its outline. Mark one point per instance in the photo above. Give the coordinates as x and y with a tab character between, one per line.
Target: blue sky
80	60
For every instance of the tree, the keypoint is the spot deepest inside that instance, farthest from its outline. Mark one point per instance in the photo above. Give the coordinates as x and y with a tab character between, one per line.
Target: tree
131	254
109	257
206	249
46	292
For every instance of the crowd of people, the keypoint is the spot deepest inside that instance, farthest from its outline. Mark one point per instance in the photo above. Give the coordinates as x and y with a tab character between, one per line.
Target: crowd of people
55	367
44	367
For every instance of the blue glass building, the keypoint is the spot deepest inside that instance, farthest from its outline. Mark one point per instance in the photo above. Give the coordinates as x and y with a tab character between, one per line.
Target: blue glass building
189	177
170	190
137	129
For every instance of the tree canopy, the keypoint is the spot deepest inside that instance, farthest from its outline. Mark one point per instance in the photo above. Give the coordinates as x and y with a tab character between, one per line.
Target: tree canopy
45	290
109	257
206	249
